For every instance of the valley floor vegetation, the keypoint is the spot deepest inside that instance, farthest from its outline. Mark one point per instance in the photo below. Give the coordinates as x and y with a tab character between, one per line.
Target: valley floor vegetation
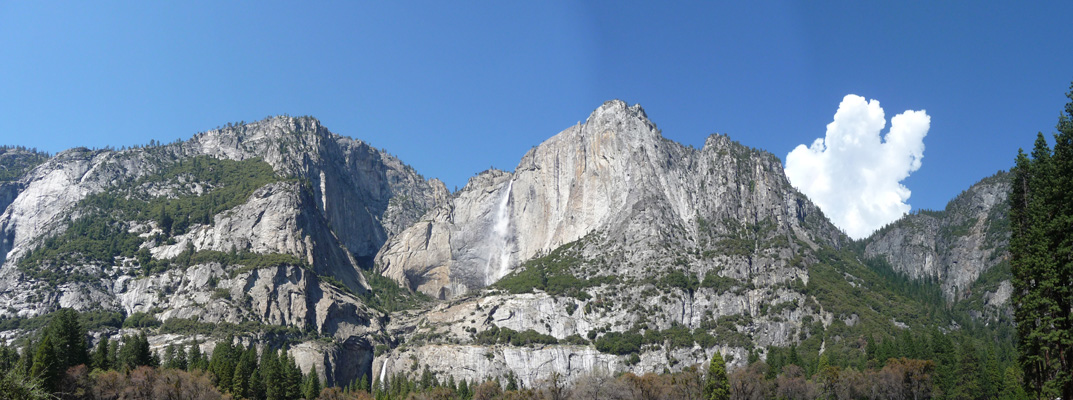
60	362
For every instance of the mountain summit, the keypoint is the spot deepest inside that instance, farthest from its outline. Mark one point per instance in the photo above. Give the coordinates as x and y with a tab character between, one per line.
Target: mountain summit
609	248
615	174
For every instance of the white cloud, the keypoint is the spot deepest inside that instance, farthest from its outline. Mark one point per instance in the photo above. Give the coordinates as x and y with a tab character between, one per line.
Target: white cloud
852	174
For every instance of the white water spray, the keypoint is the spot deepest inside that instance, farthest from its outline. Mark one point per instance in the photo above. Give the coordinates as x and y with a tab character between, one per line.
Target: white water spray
500	239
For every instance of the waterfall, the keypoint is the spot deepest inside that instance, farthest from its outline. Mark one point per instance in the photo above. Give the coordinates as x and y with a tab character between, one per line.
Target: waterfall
500	239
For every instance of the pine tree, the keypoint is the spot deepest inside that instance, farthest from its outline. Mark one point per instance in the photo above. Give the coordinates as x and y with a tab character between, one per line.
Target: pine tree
716	385
222	363
179	362
46	367
135	352
100	355
311	386
169	356
363	383
271	374
1012	388
292	375
28	353
967	386
794	359
240	381
257	385
68	339
1041	261
194	359
463	390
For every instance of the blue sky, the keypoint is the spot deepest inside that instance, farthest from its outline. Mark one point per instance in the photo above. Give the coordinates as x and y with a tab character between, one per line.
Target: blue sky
453	88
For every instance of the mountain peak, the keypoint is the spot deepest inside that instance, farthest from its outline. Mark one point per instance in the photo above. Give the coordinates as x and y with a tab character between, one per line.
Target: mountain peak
618	110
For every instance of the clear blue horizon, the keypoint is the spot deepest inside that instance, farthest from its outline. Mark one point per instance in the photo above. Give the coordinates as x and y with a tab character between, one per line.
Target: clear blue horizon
455	88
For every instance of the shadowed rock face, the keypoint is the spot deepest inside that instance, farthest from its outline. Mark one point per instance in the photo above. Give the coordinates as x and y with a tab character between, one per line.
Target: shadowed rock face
954	246
363	195
337	201
615	174
620	206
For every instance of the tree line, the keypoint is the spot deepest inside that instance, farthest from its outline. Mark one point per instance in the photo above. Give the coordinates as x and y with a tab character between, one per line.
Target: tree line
1041	260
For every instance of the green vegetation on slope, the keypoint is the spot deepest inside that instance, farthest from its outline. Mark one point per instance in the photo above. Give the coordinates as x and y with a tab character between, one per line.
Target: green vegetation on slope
100	232
554	274
15	161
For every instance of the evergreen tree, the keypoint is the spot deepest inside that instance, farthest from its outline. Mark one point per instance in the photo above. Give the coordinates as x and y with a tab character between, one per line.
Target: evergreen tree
46	367
716	385
69	338
794	359
968	385
512	380
271	374
1012	388
222	363
292	375
135	352
363	383
311	386
257	385
169	356
9	358
1041	261
113	354
180	362
463	390
100	357
247	363
28	354
990	374
194	359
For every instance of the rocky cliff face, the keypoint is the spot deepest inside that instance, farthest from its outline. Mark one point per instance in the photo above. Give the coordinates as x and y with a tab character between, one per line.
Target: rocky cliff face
608	248
954	246
614	174
609	227
329	204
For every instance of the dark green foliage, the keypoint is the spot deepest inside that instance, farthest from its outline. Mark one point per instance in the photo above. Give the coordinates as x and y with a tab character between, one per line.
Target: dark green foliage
135	352
102	232
244	367
386	294
311	385
223	361
68	338
1041	260
574	339
9	358
95	320
514	338
93	238
292	376
46	367
620	343
553	274
680	280
141	320
716	384
195	360
189	326
15	384
175	357
272	374
17	160
720	284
